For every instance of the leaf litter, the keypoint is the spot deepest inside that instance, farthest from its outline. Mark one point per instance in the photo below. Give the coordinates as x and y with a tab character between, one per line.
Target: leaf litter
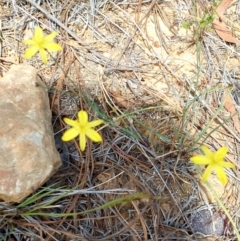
220	26
144	43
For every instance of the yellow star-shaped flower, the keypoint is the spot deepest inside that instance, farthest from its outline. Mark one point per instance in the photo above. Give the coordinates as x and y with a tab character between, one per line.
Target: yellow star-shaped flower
40	43
82	128
215	161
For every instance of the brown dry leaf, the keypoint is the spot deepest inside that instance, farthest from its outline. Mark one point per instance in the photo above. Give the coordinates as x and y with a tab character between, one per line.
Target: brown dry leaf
223	6
230	107
121	100
220	27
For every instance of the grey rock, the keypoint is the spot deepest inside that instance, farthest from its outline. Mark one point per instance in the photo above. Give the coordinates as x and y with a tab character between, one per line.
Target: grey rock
207	222
28	154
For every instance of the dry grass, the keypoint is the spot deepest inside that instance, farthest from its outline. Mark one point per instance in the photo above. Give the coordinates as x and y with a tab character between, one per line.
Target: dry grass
159	89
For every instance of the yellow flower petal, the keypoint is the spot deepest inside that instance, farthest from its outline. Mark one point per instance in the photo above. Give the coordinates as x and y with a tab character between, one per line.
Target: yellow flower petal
93	135
43	55
52	46
221	174
82	142
30	52
38	34
215	160
227	164
41	44
220	153
95	123
83	128
207	152
50	37
83	117
207	173
200	160
70	134
70	122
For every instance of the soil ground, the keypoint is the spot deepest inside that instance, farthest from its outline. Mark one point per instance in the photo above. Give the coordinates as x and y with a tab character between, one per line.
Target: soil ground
167	81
